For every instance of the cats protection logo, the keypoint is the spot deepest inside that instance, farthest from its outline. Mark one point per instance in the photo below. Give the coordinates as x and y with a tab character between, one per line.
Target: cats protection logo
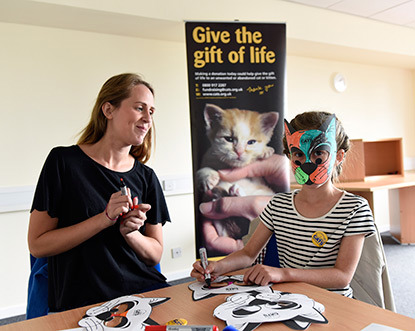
319	238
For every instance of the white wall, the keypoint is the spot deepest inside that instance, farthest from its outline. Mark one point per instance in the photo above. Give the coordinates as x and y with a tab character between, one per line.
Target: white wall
50	77
378	103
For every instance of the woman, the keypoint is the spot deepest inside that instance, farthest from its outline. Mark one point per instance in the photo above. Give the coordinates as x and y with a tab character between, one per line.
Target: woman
102	243
319	229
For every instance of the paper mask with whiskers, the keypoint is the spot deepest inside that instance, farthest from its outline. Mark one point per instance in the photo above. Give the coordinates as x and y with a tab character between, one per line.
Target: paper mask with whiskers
225	285
124	313
247	311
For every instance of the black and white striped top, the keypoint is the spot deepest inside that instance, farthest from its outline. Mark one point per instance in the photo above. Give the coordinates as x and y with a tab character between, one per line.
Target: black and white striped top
314	242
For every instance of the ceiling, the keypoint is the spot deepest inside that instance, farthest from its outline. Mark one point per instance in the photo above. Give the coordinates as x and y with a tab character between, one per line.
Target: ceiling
136	23
400	12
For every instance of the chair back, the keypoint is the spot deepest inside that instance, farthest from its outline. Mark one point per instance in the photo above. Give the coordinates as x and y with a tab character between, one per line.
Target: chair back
37	292
371	283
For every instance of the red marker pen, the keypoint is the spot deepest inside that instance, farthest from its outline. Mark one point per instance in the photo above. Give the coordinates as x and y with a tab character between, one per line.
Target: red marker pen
123	189
181	328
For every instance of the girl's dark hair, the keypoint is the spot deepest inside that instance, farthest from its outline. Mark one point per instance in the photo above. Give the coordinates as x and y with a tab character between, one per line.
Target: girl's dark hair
114	91
313	120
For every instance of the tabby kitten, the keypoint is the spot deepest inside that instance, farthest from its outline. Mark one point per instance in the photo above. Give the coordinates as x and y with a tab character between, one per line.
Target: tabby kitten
238	138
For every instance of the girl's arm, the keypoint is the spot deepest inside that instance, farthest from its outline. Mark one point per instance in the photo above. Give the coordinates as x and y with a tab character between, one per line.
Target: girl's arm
237	260
338	276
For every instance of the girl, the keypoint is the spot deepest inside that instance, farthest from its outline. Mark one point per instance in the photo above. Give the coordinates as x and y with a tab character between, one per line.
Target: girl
319	229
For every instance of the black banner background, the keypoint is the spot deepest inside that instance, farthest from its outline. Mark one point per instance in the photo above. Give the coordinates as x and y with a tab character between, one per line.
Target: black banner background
233	65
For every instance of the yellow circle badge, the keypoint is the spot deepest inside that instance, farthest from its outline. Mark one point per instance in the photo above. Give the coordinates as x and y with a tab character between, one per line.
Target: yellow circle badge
319	238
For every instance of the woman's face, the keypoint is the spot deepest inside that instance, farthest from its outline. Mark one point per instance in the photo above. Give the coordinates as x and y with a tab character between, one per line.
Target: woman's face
133	118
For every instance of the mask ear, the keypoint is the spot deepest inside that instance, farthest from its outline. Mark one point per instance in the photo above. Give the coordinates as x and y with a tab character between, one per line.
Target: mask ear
329	124
288	128
329	129
288	133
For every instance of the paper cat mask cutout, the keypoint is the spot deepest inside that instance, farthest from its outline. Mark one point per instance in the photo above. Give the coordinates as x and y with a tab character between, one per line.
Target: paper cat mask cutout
124	313
246	311
313	152
224	285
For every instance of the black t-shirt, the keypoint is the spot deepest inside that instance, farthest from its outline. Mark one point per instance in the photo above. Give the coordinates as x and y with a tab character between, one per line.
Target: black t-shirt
73	188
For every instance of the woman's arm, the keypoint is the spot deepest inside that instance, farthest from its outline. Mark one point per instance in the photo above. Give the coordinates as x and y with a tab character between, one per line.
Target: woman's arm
148	247
45	239
338	276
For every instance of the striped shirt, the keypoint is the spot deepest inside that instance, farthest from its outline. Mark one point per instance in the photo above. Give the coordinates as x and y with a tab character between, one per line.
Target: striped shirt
305	243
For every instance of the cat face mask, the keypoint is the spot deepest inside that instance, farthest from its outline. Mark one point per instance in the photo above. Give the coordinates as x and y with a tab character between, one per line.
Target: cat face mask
313	152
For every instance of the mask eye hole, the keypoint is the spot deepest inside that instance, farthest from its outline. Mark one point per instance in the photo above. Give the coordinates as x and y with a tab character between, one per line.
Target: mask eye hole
282	304
297	156
246	310
319	156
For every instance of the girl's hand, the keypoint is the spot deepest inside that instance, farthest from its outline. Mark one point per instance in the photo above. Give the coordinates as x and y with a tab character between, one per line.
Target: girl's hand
134	219
199	273
263	275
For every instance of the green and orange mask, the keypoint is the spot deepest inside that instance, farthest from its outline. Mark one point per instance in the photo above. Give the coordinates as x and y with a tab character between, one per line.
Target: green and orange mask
313	152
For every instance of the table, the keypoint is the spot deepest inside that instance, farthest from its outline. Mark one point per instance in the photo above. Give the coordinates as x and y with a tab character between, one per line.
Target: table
341	312
402	227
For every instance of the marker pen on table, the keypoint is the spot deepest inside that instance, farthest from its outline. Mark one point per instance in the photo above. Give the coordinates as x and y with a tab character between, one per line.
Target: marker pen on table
181	328
204	261
230	328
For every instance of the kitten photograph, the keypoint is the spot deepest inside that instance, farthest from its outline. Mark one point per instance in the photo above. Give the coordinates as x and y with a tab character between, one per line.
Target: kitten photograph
237	138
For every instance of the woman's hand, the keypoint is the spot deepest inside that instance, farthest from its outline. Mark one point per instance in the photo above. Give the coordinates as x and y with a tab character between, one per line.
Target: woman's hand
134	219
148	244
118	205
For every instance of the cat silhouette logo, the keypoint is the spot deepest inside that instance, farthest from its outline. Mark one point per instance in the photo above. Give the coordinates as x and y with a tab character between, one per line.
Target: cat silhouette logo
124	313
246	311
224	285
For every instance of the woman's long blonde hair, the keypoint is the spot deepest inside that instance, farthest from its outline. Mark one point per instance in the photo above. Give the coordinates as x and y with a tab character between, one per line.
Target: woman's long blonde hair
114	91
